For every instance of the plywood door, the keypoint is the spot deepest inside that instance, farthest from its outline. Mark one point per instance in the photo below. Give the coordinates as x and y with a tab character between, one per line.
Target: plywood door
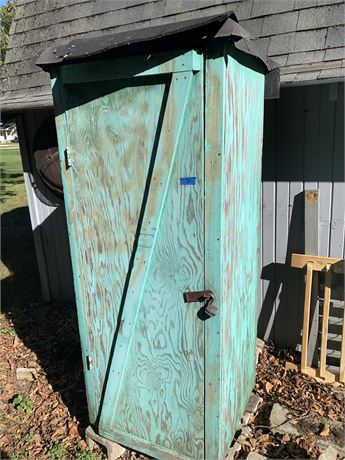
137	243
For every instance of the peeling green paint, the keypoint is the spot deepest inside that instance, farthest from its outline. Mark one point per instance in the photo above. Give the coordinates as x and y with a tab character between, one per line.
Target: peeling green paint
159	379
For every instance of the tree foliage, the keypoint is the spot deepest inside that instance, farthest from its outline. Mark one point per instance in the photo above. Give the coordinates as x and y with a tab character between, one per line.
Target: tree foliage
6	16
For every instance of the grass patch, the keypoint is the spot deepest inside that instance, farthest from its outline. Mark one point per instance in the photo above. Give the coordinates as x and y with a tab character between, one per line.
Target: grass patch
20	455
88	455
18	267
12	191
8	330
57	451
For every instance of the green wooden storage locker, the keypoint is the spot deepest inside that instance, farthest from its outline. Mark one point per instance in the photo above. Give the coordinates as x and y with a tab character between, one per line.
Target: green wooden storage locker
160	140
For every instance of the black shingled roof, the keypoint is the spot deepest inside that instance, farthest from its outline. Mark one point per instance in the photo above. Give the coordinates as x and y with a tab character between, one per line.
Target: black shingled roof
306	37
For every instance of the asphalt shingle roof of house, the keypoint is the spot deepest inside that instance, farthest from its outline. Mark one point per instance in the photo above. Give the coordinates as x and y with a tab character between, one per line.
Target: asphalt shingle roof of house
306	37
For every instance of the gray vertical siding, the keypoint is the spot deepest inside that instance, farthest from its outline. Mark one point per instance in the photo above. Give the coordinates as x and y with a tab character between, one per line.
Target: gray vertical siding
48	222
303	149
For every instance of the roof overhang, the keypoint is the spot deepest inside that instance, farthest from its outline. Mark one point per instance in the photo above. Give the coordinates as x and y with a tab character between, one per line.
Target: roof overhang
195	33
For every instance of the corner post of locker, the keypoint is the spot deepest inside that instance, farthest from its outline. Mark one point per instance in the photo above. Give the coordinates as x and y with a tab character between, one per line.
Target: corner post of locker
214	134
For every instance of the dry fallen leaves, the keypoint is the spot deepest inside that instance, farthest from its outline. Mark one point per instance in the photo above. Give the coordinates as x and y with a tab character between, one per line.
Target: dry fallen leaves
294	390
47	340
268	387
73	428
308	401
285	437
55	389
325	431
60	410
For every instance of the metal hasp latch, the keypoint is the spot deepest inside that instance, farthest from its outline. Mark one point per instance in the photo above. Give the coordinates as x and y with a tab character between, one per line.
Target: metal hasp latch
202	296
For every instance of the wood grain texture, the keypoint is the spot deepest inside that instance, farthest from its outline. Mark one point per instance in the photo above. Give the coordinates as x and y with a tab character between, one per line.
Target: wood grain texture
164	365
325	319
342	353
214	129
107	178
241	186
311	246
148	231
319	263
233	146
162	380
162	356
306	316
143	65
62	134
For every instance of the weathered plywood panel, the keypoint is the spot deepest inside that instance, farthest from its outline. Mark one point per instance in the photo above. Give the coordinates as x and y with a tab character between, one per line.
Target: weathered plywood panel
137	244
214	170
148	221
243	125
104	233
172	361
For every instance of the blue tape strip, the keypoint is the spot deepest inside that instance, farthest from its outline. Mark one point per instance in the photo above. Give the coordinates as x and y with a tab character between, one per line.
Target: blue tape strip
187	180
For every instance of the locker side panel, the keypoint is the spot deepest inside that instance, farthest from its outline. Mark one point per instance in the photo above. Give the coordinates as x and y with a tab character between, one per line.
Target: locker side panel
243	133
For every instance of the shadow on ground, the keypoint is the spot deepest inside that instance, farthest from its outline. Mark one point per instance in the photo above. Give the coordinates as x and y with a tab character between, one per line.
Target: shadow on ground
8	180
48	329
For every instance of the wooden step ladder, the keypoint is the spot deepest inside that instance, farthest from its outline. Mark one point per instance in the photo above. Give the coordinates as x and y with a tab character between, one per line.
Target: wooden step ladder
329	265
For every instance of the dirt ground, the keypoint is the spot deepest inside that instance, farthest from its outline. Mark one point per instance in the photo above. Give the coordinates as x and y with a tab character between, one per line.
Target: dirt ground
50	420
314	410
